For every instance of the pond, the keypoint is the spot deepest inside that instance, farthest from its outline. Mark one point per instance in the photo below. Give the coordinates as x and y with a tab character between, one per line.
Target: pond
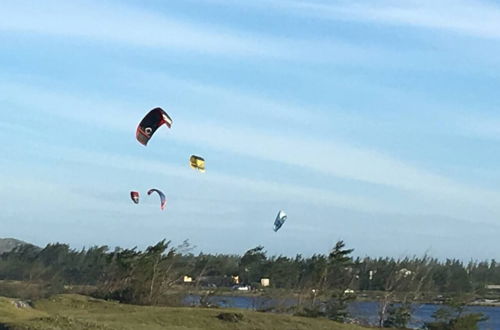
365	312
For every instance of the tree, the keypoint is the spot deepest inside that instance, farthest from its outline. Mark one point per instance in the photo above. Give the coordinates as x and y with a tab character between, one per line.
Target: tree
398	316
339	275
251	264
452	317
404	282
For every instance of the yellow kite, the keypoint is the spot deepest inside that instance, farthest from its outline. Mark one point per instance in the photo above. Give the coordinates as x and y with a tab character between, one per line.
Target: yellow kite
197	163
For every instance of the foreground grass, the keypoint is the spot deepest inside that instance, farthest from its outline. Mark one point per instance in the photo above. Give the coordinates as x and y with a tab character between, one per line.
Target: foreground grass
81	312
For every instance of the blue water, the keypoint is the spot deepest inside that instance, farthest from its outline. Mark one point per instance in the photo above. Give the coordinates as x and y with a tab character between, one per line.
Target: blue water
366	312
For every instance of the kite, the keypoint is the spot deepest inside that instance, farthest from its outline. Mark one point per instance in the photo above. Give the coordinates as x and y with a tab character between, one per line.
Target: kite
197	163
135	196
162	197
280	220
150	123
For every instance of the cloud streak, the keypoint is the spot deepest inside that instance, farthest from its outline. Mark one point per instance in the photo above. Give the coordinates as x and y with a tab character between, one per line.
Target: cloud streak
340	160
328	157
474	18
221	182
130	26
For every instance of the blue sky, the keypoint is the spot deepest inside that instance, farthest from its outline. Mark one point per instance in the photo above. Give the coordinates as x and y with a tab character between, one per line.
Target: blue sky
375	122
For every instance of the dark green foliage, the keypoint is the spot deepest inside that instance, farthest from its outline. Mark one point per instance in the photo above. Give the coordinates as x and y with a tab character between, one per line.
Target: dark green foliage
312	311
339	275
398	316
253	265
464	322
336	306
452	317
124	275
336	274
452	277
230	317
146	277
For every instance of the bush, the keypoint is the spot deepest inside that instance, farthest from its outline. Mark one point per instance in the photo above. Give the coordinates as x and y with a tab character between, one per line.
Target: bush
230	317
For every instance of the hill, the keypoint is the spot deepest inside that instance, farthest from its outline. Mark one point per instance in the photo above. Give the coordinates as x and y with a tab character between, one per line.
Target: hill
8	244
81	312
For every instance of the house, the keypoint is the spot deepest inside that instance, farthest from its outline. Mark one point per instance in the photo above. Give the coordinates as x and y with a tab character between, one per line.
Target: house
264	282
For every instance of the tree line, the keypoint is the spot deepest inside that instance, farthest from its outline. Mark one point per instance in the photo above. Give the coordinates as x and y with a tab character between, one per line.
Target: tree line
324	282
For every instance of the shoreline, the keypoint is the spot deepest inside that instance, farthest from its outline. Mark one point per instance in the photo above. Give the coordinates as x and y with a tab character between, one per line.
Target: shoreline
364	297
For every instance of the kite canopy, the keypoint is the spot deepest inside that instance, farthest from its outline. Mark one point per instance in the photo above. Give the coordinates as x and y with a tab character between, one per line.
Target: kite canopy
197	163
135	196
280	220
163	199
150	123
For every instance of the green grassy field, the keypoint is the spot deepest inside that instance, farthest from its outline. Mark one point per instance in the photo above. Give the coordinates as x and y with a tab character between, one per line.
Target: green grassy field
80	312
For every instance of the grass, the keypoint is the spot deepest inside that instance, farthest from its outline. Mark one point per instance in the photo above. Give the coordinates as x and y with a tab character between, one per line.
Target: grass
78	312
10	313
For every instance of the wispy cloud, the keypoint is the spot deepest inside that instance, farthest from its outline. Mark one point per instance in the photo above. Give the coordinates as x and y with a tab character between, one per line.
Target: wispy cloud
222	182
120	24
339	160
24	193
325	156
475	18
131	26
228	101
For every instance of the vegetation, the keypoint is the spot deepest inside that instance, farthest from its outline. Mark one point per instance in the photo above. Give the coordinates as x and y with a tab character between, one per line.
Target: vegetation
452	317
320	285
78	312
143	276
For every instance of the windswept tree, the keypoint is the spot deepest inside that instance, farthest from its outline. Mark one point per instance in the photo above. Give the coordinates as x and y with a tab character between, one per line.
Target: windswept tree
405	282
452	316
251	266
339	275
117	281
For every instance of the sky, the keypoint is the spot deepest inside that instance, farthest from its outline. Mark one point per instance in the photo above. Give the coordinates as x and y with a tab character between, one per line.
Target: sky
374	122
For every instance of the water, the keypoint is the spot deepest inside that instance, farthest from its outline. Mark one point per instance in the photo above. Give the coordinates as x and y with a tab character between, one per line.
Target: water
367	312
364	311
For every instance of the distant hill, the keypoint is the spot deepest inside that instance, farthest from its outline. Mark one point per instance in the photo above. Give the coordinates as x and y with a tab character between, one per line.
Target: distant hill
8	244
